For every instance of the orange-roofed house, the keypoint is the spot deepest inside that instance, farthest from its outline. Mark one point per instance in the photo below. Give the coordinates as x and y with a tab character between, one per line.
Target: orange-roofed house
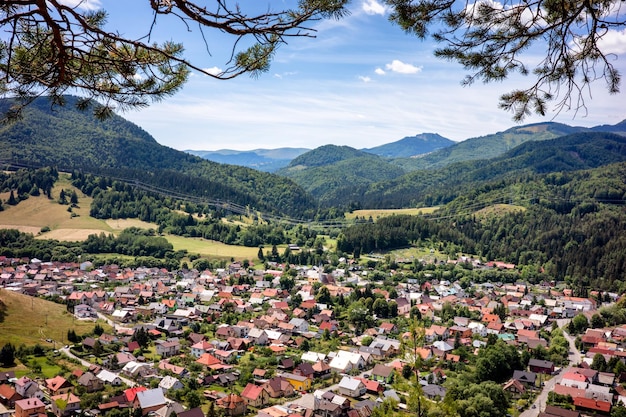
491	318
207	359
65	404
58	385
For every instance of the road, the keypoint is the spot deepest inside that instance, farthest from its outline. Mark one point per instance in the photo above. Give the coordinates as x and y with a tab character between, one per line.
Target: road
66	351
540	402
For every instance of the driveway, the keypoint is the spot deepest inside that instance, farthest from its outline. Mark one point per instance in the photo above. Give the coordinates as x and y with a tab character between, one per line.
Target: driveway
66	351
540	402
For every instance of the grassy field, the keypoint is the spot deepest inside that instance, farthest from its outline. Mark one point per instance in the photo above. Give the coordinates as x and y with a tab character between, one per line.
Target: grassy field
389	212
36	212
498	210
212	248
30	320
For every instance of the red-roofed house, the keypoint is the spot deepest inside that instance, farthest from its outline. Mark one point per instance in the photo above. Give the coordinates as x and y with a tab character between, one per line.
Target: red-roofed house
255	395
131	393
589	404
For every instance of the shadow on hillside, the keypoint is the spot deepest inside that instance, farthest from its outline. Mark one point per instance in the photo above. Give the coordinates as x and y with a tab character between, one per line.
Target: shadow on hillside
3	311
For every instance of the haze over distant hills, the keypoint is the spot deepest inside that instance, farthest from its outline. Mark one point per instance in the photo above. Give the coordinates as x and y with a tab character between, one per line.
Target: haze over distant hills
272	160
422	151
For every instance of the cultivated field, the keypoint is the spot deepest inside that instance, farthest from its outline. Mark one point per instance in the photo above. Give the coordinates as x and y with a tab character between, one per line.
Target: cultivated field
389	212
212	248
117	225
30	320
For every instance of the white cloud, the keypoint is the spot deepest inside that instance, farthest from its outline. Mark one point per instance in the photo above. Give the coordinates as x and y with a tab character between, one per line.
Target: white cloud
614	42
365	79
373	7
402	68
83	4
213	70
379	71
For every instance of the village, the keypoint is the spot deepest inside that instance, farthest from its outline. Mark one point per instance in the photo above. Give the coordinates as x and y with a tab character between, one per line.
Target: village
298	341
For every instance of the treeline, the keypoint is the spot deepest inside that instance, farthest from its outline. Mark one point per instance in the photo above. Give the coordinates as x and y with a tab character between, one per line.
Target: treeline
116	199
396	232
147	249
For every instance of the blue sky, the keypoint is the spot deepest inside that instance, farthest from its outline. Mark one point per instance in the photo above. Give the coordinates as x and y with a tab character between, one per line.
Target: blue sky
361	82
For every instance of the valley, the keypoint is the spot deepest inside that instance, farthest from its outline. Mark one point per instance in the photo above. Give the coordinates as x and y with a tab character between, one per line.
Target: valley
348	284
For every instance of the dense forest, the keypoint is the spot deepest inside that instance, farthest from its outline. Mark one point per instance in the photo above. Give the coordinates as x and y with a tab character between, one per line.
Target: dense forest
568	225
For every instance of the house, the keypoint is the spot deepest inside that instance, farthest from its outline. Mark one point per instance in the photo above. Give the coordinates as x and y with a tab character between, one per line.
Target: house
345	361
170	383
278	387
8	396
108	377
552	411
200	348
168	348
589	404
372	387
232	405
258	336
4	411
149	400
387	327
436	332
299	382
351	387
383	373
90	382
27	388
170	409
58	385
526	378
300	325
574	380
321	369
541	366
65	404
515	388
255	395
434	392
194	412
30	407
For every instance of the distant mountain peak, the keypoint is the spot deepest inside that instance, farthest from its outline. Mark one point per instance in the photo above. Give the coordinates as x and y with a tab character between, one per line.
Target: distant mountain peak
412	146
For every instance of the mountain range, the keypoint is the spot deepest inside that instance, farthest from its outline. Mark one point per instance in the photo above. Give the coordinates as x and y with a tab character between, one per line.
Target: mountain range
423	170
272	160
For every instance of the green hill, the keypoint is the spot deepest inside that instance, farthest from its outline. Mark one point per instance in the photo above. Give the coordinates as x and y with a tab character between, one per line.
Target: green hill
72	139
437	186
326	171
489	146
412	146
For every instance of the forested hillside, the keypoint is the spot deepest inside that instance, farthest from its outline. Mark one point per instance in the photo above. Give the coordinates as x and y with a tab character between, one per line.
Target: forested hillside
71	139
440	186
567	226
489	146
